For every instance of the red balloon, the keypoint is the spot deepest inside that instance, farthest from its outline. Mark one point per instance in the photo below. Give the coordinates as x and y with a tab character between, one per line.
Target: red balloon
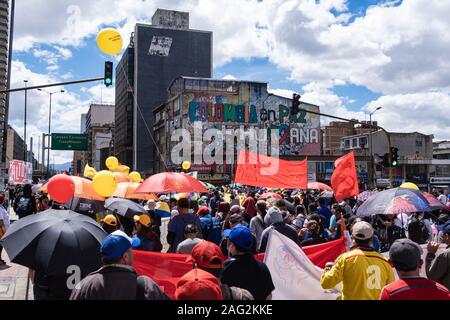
61	188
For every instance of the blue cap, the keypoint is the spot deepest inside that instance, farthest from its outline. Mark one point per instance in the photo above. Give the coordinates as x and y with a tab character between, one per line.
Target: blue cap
240	236
444	227
117	243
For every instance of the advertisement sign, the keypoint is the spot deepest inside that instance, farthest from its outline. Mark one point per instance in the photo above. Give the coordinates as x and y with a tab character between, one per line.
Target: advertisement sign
20	172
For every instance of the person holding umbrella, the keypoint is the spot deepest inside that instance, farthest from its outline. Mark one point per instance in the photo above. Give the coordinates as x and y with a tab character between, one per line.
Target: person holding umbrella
149	239
117	279
109	224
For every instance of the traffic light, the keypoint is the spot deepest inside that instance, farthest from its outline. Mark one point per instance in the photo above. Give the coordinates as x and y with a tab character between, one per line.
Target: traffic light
394	157
295	104
108	73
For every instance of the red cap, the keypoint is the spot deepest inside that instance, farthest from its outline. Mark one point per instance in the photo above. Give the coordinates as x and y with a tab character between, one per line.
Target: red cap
202	211
204	253
198	284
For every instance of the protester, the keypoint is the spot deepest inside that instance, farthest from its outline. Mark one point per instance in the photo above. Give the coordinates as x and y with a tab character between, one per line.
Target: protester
190	233
249	205
406	257
274	221
438	267
198	284
243	270
443	218
25	204
234	201
211	228
419	228
149	239
214	202
362	271
175	229
222	211
173	206
314	232
4	224
117	279
208	257
323	210
154	218
257	225
109	223
442	197
387	230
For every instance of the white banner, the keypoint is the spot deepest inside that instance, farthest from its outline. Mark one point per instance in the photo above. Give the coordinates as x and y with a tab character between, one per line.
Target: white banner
20	172
294	276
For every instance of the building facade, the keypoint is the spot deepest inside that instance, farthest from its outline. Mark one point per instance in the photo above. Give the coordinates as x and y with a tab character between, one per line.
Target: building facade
79	157
4	39
243	111
441	149
123	131
162	51
15	147
99	127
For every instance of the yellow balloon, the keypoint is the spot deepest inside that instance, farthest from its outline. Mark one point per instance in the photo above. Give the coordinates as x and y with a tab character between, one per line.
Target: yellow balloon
124	169
104	183
109	41
136	176
409	185
89	172
186	165
112	163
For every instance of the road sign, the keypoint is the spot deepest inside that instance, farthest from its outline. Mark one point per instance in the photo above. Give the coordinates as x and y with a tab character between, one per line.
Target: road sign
69	141
20	172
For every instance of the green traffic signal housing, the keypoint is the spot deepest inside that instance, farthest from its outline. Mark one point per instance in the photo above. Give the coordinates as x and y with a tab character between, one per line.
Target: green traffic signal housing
394	157
108	73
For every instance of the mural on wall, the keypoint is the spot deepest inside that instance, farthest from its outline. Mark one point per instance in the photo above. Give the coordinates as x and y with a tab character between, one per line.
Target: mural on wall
250	107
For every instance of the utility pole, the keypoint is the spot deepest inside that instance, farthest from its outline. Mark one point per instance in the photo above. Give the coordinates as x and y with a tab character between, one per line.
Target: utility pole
25	123
372	165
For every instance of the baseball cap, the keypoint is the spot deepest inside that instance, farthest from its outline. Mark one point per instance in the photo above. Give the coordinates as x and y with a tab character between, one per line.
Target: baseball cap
117	243
240	236
235	218
151	204
444	227
198	284
163	198
204	253
110	220
202	211
405	254
235	209
362	230
143	219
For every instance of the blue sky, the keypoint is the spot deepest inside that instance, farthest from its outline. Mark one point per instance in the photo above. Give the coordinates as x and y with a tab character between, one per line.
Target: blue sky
335	53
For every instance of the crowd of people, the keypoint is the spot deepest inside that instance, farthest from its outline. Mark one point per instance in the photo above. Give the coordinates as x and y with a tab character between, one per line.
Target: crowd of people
223	230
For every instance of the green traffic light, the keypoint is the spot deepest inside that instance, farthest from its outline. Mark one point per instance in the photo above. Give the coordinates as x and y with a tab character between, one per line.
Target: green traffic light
108	80
394	163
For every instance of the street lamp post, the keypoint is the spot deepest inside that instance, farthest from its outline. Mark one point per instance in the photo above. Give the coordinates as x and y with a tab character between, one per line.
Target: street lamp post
25	124
372	166
49	125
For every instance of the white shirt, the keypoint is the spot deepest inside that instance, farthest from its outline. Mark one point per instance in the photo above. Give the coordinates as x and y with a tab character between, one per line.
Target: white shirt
443	199
4	216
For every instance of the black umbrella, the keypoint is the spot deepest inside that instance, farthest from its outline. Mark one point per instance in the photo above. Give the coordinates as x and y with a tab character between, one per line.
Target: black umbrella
52	240
124	207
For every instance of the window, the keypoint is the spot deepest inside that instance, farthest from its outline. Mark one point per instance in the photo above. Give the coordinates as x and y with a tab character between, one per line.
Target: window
363	142
419	143
347	144
355	143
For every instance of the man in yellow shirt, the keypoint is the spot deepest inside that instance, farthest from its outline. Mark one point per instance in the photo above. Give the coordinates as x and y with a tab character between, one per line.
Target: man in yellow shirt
362	271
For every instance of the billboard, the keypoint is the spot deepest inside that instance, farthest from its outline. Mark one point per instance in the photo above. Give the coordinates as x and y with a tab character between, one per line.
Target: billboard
20	172
249	105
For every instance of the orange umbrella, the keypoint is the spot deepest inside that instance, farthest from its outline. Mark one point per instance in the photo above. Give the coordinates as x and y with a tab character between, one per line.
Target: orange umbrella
122	177
127	190
83	189
268	195
319	186
171	182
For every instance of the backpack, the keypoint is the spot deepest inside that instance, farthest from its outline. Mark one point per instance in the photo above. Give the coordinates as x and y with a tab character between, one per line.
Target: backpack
417	230
213	232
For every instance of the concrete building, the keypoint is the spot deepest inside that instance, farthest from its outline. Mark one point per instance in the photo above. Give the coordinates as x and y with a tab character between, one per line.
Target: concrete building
162	51
4	39
99	127
199	104
415	152
123	131
441	149
15	146
332	135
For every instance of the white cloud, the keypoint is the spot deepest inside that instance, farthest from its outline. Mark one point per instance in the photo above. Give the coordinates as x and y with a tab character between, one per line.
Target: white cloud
229	77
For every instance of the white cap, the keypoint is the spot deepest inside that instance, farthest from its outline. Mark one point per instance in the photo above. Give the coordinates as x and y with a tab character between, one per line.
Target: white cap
362	230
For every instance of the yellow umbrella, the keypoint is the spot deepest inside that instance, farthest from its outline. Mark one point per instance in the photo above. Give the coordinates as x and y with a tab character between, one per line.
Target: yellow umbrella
409	185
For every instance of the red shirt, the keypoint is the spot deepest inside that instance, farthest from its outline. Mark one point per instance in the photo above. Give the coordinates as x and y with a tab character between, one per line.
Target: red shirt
414	288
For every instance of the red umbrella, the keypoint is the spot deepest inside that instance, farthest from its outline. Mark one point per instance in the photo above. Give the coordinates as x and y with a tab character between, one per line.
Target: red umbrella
170	182
400	205
268	195
319	186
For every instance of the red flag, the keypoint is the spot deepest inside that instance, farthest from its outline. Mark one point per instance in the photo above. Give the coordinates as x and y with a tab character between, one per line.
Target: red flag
166	268
344	179
262	171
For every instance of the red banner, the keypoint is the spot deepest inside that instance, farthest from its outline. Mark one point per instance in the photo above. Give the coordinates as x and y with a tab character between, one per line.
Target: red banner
344	179
262	171
166	268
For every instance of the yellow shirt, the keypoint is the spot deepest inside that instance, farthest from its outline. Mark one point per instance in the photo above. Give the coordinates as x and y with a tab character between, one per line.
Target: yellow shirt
363	273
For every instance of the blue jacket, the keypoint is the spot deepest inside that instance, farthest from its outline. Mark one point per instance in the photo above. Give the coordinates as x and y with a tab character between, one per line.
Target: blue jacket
211	228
